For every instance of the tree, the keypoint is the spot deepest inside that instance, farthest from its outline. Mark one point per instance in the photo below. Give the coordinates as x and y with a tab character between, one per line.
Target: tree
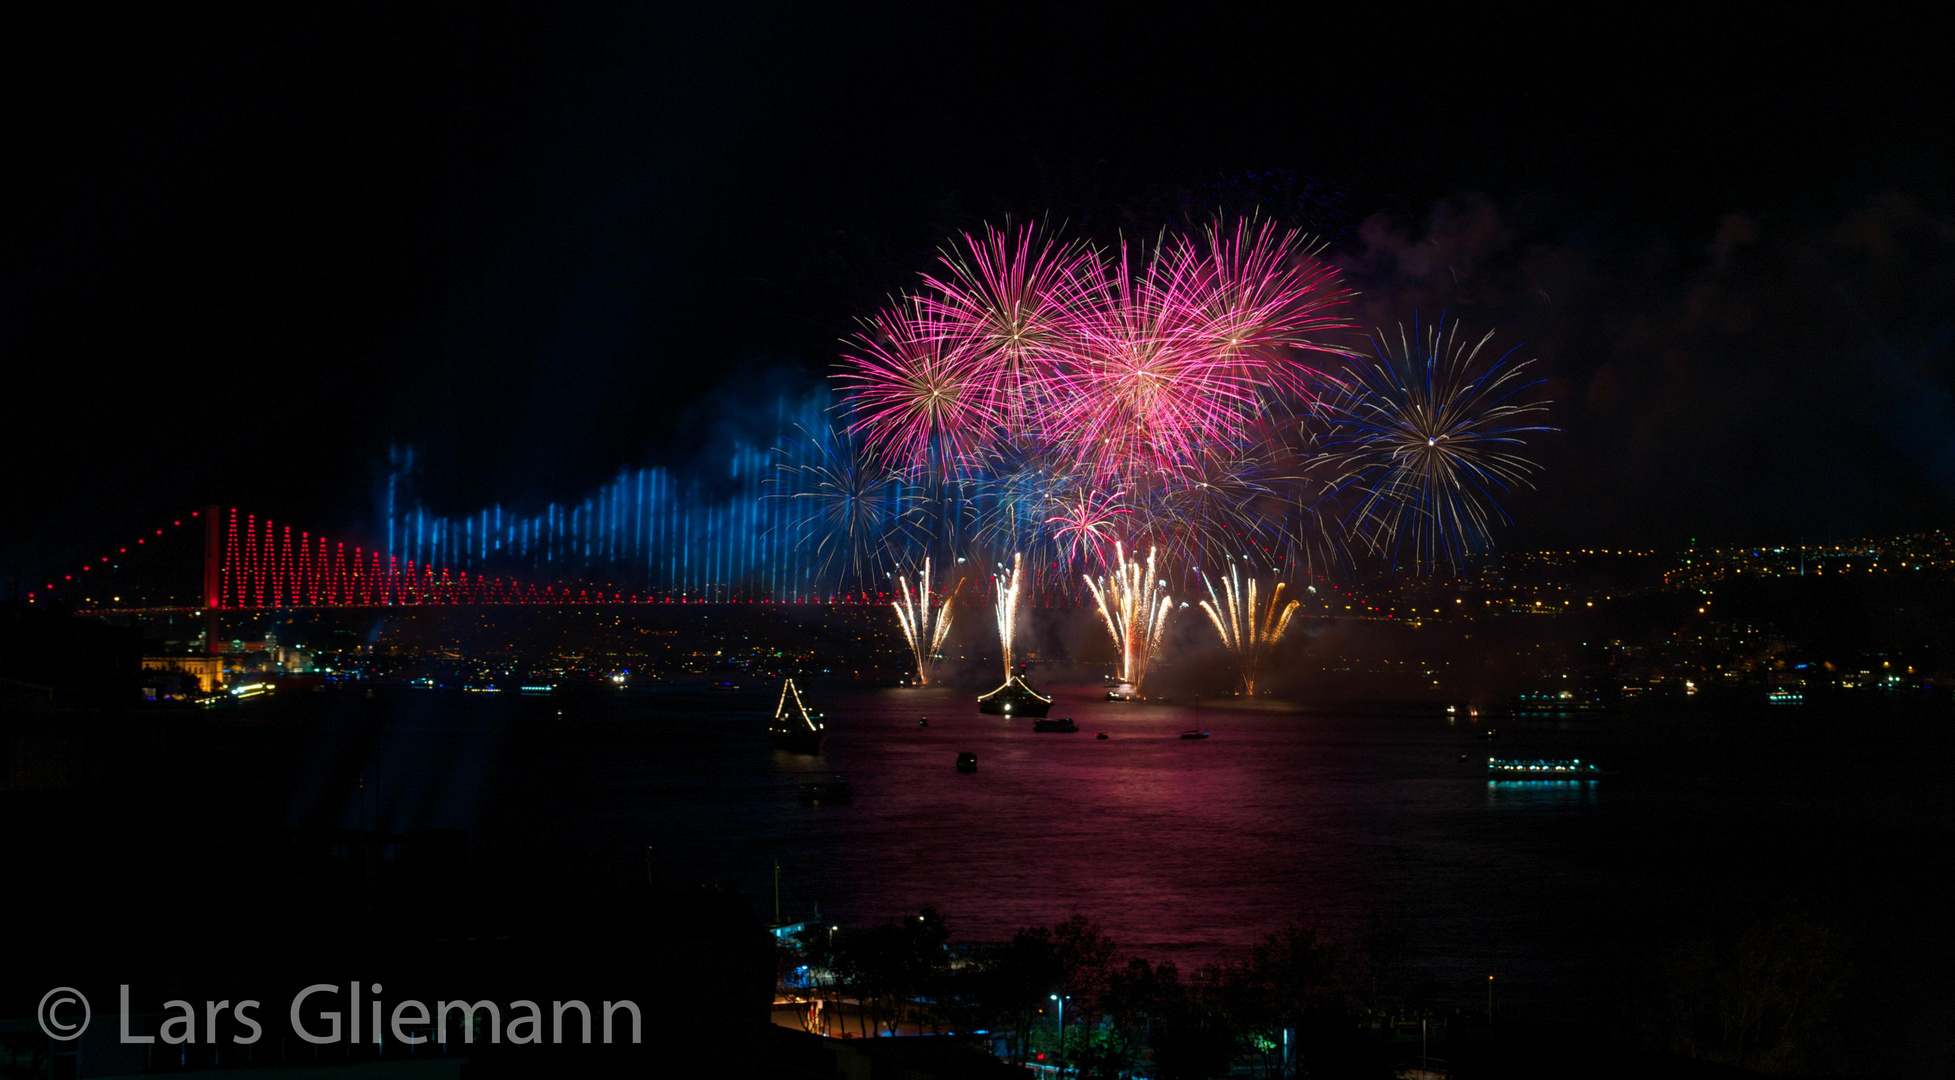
1196	1038
1761	999
1012	982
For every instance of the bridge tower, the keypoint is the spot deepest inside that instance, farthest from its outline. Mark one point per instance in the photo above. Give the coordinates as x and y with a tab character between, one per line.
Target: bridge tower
213	578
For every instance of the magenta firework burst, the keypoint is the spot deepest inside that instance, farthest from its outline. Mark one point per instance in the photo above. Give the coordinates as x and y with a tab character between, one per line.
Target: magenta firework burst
1085	524
1054	397
914	389
1113	362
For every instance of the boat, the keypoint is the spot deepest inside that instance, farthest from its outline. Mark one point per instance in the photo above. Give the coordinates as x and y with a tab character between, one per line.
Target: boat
1541	769
1194	734
724	687
833	790
967	763
1064	725
1101	735
796	727
1014	698
923	722
1122	692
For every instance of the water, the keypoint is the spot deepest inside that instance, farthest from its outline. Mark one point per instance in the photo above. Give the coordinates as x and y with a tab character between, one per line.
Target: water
1192	850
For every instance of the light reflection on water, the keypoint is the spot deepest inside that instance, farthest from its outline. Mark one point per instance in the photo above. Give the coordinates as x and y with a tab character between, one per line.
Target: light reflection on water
1184	850
1534	793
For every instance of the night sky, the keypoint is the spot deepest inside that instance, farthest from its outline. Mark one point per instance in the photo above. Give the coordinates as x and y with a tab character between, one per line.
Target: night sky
248	249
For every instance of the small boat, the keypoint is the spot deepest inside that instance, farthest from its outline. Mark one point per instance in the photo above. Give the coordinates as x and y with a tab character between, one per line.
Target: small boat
724	687
1490	734
1101	735
1122	692
923	722
1014	698
796	728
833	790
1064	725
967	763
1194	734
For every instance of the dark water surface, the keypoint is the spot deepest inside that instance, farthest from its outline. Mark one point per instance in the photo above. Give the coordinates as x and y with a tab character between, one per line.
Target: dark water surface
1192	850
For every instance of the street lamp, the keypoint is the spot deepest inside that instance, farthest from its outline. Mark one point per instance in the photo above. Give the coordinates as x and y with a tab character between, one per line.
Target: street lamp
1062	1029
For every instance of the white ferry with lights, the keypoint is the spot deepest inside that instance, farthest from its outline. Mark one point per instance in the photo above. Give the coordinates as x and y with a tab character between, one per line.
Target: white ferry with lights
1541	769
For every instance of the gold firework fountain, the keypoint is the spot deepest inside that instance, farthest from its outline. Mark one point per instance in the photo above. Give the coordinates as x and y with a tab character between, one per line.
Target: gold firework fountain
1233	611
924	627
1134	610
1013	697
1005	590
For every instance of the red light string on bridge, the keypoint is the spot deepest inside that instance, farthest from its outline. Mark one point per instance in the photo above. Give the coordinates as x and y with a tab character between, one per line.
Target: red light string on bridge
35	595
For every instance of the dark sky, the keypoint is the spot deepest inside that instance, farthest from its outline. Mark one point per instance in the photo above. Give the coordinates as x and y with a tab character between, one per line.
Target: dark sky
247	249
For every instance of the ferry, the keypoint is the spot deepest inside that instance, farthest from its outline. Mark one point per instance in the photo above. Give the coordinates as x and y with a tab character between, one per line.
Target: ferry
1014	698
1541	769
796	727
1064	724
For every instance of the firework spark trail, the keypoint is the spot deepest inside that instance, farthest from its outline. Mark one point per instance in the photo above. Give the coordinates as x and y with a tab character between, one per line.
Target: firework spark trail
923	627
1216	507
1234	614
844	505
1134	611
1429	437
1261	297
1005	598
1026	377
914	391
1190	341
1009	507
1010	296
1141	396
1086	523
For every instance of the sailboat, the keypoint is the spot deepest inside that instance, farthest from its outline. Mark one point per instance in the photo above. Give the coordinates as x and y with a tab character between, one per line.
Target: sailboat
796	727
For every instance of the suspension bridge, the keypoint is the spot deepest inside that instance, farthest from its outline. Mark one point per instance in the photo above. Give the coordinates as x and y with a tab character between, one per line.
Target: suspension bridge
253	563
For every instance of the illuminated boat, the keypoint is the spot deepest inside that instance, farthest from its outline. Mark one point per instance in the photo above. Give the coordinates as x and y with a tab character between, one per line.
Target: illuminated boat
967	763
1122	692
1064	724
796	727
1014	698
1541	769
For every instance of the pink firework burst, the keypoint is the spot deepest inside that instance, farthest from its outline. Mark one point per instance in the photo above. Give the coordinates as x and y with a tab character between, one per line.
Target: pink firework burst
1185	350
1012	296
1139	396
915	396
1259	298
1085	523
